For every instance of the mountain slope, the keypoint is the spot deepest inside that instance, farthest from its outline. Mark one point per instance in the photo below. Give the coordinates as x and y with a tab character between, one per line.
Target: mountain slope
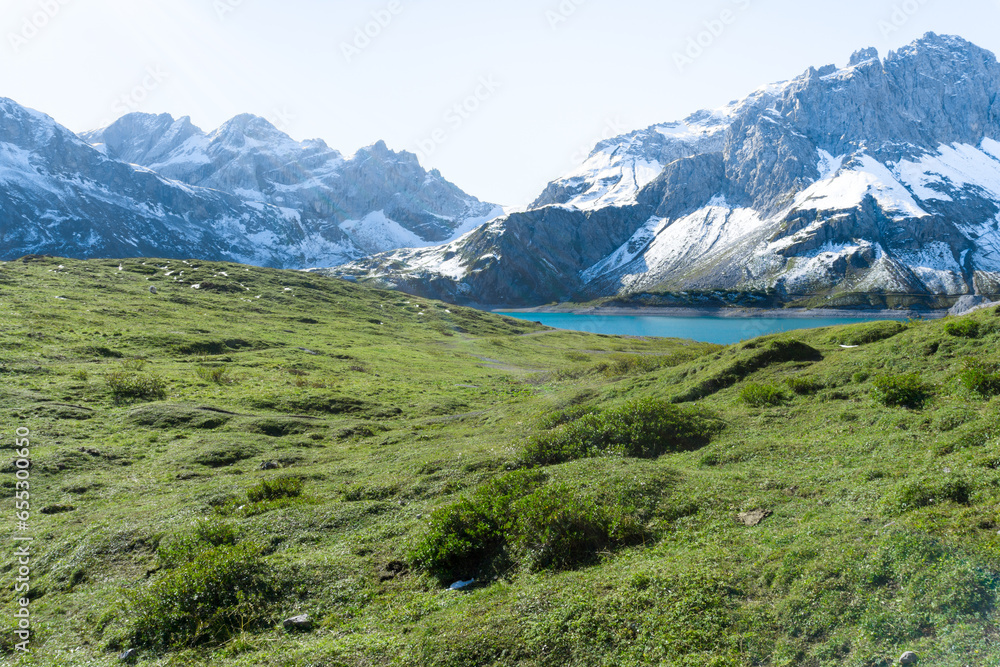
374	201
876	183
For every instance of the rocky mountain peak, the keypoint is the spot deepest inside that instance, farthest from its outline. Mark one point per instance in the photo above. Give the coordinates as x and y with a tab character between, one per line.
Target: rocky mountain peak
863	56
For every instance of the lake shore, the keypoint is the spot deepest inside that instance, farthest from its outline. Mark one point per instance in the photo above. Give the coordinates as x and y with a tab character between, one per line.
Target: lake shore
736	313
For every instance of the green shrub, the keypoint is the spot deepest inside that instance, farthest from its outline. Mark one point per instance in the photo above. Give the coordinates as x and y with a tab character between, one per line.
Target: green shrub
134	365
632	364
914	494
275	489
469	536
551	420
964	328
520	520
901	390
219	593
216	374
556	529
182	548
129	385
758	395
981	377
803	386
638	429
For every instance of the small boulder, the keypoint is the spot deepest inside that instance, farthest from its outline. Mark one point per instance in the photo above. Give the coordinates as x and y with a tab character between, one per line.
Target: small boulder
270	465
300	623
753	518
908	658
152	289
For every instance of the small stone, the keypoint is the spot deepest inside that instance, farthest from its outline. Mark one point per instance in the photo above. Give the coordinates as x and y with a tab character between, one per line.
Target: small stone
152	289
270	465
908	658
753	518
130	655
300	623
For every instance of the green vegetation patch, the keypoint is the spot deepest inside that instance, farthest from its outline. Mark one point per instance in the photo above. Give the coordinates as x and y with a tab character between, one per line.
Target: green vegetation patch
907	390
220	592
541	521
758	395
645	428
739	362
981	377
175	415
865	334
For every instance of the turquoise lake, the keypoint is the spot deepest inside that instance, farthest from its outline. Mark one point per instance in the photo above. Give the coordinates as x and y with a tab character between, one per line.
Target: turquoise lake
722	330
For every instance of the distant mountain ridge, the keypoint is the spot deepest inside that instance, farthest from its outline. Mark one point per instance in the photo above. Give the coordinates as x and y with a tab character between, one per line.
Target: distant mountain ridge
154	186
877	183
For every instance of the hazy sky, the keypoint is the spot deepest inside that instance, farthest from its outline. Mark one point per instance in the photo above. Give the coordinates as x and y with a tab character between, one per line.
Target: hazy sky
536	82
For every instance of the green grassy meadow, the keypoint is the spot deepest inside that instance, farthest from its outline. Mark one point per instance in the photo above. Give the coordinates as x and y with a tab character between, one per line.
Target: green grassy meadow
246	445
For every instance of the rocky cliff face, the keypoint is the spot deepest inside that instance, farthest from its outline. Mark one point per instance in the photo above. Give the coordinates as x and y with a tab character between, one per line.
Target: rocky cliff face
878	182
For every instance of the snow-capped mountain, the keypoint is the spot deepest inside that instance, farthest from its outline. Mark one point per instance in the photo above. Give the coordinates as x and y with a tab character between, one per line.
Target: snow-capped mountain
872	184
151	186
374	201
60	196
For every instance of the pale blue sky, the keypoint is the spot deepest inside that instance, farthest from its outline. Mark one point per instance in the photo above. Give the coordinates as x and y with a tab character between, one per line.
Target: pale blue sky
552	76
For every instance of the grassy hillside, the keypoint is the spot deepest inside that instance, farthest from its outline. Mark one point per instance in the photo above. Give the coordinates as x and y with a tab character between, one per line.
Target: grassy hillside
246	445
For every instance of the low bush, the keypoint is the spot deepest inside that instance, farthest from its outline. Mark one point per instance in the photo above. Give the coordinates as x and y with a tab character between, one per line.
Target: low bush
758	395
908	391
275	489
551	420
521	519
557	530
914	494
217	374
221	592
175	550
127	385
980	377
803	386
638	429
964	328
470	535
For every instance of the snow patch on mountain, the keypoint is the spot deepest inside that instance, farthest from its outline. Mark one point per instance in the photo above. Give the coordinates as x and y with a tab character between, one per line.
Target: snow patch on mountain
848	188
952	168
